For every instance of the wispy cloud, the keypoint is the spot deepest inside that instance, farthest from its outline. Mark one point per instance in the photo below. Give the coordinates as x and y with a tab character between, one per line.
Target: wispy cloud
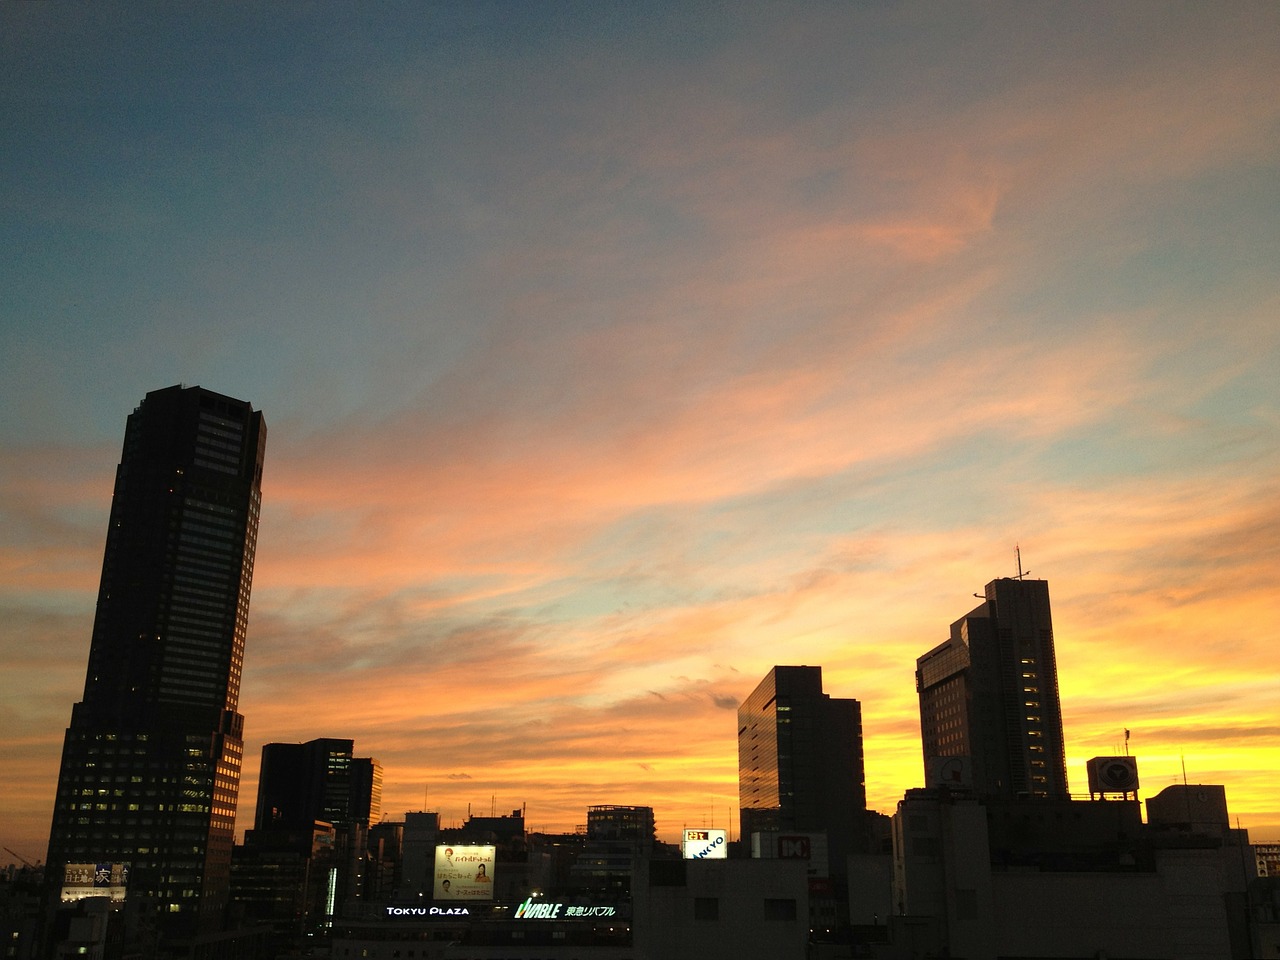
607	368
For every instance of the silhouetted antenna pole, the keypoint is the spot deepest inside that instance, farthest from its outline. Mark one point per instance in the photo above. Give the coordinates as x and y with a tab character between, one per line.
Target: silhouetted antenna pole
32	865
1017	552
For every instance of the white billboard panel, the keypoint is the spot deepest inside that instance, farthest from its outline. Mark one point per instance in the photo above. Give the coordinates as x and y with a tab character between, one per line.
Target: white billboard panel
705	845
464	872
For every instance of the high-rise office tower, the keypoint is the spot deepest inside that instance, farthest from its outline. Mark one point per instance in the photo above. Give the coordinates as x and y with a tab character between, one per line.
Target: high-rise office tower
800	761
989	694
366	790
151	760
317	780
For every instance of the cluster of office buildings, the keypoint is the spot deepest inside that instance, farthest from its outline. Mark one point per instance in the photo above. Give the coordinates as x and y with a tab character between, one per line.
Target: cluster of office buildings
991	857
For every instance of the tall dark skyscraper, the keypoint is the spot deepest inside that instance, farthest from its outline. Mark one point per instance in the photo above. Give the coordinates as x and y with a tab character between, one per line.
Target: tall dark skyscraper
990	694
800	763
151	761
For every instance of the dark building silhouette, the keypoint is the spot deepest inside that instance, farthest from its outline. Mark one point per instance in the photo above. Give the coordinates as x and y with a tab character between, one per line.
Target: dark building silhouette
800	763
281	878
611	821
300	783
386	856
989	698
307	855
365	790
151	760
1055	877
617	838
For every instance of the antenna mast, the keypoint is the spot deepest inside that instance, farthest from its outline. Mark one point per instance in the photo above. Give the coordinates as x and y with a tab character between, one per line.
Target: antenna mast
1017	552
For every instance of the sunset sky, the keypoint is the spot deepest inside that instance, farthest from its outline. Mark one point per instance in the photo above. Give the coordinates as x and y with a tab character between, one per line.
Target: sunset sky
612	353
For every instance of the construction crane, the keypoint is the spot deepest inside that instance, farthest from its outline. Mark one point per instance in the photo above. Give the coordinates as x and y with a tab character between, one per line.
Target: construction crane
22	858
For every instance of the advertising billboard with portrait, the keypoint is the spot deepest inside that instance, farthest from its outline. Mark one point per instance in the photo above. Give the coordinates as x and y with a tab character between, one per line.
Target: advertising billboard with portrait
464	872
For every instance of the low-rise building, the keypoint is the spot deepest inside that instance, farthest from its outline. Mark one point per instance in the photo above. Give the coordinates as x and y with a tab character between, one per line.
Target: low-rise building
1071	878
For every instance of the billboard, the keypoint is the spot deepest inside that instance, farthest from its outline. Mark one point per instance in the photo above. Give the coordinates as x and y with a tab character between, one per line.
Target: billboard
705	845
1113	775
950	772
811	847
80	880
464	872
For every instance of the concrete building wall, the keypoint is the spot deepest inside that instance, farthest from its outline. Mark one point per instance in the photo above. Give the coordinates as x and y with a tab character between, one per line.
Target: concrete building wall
870	889
721	910
421	832
1179	912
1081	915
1184	902
942	870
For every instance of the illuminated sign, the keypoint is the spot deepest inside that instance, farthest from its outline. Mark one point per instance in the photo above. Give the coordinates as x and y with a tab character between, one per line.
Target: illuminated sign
533	909
80	880
705	845
464	872
427	913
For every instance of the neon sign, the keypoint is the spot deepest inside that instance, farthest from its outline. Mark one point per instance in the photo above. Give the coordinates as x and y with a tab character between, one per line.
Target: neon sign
533	909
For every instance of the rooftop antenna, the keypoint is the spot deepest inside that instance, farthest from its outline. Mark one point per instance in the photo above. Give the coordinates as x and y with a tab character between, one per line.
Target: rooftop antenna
1126	741
1017	551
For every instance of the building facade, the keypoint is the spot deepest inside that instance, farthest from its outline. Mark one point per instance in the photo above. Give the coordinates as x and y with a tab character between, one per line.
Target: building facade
151	761
989	698
1054	878
316	803
300	783
800	766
